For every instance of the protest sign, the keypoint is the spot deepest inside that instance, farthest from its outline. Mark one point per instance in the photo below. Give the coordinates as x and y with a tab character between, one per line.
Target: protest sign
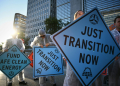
47	61
88	46
31	59
13	61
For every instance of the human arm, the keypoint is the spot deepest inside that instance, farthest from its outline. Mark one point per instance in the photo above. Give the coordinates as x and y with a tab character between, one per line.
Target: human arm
50	43
5	46
65	60
41	46
34	43
116	36
22	46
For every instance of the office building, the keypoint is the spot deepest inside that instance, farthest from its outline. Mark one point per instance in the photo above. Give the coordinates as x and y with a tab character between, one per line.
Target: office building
37	12
75	6
63	10
20	24
109	9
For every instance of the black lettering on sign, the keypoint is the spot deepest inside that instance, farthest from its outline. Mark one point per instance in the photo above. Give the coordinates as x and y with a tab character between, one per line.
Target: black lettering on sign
39	51
5	61
95	34
98	46
90	45
13	55
92	32
65	39
53	55
19	61
43	65
88	59
55	66
84	43
89	33
78	43
11	67
72	40
49	61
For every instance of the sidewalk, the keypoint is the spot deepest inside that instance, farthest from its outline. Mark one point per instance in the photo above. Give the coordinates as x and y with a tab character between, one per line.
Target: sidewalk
29	79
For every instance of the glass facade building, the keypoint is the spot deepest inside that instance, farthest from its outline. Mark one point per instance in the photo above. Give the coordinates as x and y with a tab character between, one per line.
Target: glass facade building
37	12
109	9
63	10
20	24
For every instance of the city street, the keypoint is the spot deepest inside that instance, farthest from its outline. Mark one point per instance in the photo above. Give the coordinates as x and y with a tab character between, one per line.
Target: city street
29	79
54	35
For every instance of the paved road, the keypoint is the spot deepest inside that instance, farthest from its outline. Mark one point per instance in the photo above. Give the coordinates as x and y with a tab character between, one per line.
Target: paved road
29	78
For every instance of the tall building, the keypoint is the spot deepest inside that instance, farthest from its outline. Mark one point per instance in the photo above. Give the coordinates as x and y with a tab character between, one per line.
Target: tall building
75	6
37	12
108	8
63	10
20	24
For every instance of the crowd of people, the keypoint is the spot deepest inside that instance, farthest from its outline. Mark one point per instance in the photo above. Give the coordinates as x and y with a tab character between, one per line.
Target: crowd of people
71	79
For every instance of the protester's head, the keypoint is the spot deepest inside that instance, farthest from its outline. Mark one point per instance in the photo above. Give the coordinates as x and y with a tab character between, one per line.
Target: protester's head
42	33
117	22
78	14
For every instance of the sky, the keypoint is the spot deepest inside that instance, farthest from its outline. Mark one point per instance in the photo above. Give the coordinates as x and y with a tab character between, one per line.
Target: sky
8	8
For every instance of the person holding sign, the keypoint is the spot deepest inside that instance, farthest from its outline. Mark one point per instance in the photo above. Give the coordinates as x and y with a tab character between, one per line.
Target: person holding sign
42	40
70	78
114	68
10	42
